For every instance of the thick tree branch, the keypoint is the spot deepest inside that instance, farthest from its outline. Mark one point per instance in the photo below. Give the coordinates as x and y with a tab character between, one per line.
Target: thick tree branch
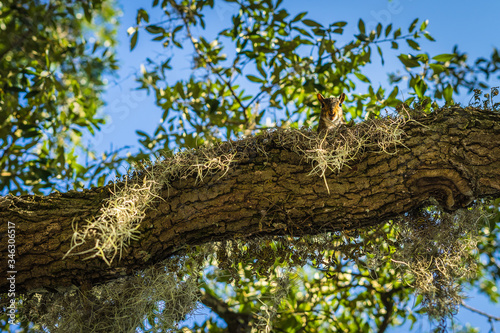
452	156
237	322
388	301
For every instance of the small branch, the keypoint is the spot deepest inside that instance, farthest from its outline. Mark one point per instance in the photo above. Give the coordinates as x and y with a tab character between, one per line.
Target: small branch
138	26
390	39
482	313
367	42
235	320
6	152
388	301
255	98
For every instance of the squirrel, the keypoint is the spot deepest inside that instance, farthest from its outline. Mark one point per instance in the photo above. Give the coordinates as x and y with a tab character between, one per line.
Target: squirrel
331	112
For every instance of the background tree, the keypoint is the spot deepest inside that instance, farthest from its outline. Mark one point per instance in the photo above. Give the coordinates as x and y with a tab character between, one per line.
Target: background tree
267	62
53	59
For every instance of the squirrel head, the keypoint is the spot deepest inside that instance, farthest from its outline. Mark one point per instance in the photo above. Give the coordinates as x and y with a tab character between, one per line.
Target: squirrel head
332	107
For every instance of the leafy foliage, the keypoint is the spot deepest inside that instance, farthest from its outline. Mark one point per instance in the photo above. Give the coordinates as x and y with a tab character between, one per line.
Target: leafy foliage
268	64
53	59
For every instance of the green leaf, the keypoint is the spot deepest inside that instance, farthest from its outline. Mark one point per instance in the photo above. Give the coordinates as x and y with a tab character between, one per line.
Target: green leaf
214	104
437	68
362	37
380	54
31	134
362	77
311	23
154	29
142	15
32	93
42	173
324	67
413	25
298	17
420	88
397	33
444	57
409	100
255	79
379	29
361	26
429	37
408	60
418	300
261	70
414	45
281	15
133	39
492	224
319	32
87	12
394	45
388	30
47	59
179	27
424	25
448	94
423	58
393	93
340	24
303	31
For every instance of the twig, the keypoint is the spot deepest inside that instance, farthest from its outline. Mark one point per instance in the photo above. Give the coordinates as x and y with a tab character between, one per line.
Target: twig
482	313
367	42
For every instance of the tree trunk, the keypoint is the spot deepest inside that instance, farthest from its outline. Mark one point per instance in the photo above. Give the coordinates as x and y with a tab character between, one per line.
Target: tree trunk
452	155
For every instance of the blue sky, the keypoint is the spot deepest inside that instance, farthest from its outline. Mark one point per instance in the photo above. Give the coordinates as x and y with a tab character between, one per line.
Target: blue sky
473	26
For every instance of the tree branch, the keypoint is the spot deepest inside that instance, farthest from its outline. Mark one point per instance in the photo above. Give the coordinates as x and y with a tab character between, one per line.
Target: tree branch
451	155
388	301
237	322
482	313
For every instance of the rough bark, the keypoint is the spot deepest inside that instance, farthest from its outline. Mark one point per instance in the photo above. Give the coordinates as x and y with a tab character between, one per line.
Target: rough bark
452	156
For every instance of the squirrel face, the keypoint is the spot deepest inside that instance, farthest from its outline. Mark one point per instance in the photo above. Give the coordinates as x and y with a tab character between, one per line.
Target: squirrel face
331	111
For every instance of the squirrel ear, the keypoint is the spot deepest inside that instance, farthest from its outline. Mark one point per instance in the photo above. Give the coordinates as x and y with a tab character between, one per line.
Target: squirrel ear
342	98
320	98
